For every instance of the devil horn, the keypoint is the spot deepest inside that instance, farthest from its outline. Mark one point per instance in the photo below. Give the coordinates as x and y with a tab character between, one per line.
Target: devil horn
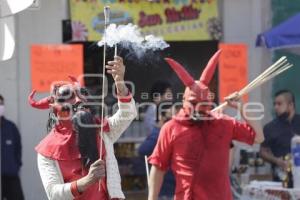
181	72
210	68
41	104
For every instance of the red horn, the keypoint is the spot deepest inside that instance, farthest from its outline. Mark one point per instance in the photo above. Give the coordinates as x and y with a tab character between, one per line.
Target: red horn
210	68
185	77
41	104
73	79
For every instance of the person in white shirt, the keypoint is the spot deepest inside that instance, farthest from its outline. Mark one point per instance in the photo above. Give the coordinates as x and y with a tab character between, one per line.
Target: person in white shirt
68	157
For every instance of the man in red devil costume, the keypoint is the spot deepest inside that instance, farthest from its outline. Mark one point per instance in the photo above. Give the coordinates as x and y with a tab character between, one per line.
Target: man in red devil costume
195	144
68	157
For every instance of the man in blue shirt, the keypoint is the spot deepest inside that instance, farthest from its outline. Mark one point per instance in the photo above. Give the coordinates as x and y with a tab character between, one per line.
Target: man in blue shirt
279	132
164	113
10	158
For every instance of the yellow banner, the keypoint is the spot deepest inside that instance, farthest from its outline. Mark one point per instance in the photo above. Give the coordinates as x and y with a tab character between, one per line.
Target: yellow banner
174	20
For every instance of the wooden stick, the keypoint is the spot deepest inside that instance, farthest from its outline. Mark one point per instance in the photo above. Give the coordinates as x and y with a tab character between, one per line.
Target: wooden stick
278	72
268	74
220	107
271	69
106	16
277	63
116	50
249	89
147	169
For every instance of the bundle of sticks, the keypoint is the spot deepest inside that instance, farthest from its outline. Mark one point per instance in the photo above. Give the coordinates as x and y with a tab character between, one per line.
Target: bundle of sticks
277	68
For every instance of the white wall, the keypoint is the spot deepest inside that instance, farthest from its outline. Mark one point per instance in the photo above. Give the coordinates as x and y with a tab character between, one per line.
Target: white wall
242	22
41	26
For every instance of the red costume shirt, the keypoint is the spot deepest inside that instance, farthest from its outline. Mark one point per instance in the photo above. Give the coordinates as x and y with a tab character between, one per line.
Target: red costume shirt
72	170
198	155
61	145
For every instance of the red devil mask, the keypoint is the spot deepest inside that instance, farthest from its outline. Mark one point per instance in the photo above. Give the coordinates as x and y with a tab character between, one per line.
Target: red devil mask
196	91
61	92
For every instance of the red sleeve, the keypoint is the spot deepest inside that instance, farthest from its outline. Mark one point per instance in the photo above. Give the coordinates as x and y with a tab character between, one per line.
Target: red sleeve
242	132
161	155
74	189
125	99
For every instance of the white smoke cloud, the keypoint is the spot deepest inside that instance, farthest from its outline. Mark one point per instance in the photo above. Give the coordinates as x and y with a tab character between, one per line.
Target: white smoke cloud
129	36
